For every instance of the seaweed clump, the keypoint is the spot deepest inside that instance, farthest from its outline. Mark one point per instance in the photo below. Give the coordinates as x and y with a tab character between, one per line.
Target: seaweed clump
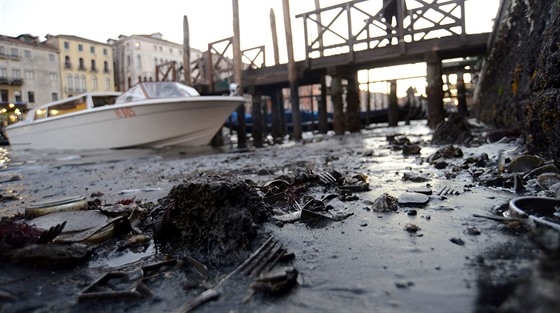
215	217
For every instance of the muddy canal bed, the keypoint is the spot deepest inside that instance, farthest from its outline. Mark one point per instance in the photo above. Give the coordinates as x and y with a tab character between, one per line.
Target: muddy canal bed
442	249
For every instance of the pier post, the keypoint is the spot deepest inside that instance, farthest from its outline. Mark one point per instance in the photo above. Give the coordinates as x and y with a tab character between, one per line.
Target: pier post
257	129
186	52
322	108
353	105
238	70
338	105
393	113
292	75
461	96
434	91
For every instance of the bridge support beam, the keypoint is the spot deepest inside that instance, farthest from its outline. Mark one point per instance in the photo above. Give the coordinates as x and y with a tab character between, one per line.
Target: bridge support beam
353	105
393	111
338	105
436	113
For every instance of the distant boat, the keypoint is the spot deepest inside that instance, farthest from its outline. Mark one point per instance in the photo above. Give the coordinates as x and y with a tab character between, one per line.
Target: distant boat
150	114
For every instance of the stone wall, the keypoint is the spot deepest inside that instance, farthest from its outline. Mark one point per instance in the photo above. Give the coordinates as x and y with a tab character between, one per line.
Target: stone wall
520	80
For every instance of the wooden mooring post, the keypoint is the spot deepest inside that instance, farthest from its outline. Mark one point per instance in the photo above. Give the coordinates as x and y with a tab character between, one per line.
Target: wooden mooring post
434	90
238	70
292	75
353	105
393	117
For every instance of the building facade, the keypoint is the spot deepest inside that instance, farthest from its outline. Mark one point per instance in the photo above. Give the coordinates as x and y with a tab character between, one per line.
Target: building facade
137	56
29	74
85	65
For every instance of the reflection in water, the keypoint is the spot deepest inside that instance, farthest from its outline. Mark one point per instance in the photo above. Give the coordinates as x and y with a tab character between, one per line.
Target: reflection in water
4	159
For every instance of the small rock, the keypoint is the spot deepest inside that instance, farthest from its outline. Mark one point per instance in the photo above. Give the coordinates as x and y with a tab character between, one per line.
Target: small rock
385	203
471	230
411	228
457	241
524	163
413	198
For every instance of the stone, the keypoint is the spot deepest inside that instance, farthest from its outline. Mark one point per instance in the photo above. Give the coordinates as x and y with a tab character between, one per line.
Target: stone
413	199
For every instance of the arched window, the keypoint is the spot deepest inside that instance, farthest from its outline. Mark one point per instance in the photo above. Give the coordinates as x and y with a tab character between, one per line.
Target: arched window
93	66
82	67
139	62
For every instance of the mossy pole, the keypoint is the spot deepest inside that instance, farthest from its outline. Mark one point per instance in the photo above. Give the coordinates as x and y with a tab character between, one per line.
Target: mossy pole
258	123
292	75
434	90
338	106
461	95
277	109
322	108
393	105
274	37
237	71
186	52
353	104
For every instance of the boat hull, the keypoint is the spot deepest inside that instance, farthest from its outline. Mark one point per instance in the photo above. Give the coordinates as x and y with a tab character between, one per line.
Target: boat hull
151	123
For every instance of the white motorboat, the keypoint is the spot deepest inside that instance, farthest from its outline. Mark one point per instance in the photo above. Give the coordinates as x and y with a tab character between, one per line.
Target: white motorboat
150	114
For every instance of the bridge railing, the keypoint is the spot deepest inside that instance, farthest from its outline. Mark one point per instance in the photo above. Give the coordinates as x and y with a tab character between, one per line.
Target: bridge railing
215	68
368	24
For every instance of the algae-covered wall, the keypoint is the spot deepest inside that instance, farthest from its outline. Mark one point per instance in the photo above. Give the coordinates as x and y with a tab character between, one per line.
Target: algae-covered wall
520	80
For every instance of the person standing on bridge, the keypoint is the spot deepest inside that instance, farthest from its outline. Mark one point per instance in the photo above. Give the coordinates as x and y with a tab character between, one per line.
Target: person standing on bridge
390	12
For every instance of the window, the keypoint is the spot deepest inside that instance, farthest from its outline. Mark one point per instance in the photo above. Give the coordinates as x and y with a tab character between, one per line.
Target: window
3	72
4	95
51	57
80	47
27	54
105	51
160	48
66	45
93	66
29	74
17	95
2	51
94	82
171	50
54	77
107	84
92	49
155	61
82	67
139	62
76	81
31	96
155	48
16	73
67	63
106	67
54	96
15	53
70	82
83	83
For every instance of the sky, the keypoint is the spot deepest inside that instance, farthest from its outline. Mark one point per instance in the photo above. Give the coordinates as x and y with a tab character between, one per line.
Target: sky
209	20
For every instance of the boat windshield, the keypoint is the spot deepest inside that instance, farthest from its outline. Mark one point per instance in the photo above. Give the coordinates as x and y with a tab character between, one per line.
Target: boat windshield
157	90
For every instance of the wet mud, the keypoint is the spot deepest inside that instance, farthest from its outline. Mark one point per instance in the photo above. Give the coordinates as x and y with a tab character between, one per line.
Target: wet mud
349	223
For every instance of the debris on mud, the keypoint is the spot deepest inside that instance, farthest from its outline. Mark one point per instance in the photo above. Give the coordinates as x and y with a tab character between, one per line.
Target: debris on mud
212	216
454	130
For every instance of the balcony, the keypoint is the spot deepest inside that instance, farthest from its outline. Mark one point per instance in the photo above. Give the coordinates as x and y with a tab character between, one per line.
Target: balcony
10	81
